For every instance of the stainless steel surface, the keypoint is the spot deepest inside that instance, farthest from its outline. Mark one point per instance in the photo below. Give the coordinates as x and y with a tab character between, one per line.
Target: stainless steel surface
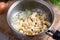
3	36
31	4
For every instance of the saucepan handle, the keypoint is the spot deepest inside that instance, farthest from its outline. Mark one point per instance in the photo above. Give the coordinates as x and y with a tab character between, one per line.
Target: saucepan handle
55	35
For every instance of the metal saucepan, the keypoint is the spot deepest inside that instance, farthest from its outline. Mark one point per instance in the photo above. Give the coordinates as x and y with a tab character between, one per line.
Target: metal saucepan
31	4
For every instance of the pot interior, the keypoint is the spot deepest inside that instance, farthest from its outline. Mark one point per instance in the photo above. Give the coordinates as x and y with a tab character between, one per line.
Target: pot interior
40	7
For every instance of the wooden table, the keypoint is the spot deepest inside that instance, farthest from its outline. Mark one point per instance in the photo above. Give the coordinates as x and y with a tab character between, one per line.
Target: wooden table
4	27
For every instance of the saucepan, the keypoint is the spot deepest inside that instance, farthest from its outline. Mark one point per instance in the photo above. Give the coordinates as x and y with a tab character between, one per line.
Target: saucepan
33	4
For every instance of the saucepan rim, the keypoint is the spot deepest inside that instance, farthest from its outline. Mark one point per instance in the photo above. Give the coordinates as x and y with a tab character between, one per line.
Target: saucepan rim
16	3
